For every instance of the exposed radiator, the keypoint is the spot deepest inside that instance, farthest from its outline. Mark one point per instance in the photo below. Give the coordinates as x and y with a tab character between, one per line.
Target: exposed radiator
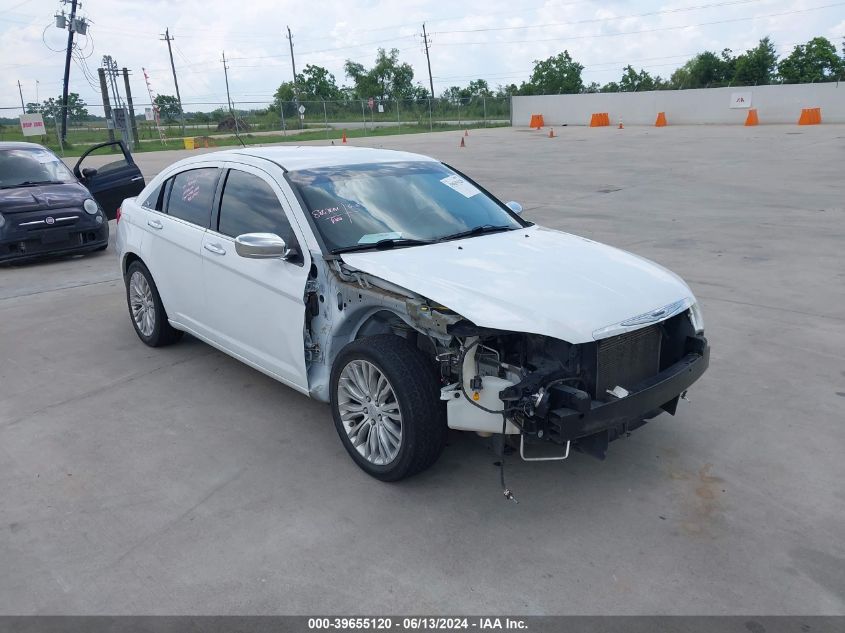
627	359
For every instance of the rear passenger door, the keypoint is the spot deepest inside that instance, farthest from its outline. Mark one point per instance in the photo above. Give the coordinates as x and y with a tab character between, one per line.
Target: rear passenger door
256	307
173	248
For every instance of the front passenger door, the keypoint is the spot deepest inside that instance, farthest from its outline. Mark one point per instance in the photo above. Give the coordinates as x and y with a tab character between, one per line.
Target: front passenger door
256	307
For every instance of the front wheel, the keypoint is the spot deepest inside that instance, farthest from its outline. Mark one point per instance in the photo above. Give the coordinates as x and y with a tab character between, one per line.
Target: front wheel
386	405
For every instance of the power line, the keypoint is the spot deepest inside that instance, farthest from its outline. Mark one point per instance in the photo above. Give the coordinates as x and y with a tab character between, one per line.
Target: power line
653	30
607	19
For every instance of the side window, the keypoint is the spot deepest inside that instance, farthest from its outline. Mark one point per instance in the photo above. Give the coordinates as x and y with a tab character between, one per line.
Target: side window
249	205
152	200
190	195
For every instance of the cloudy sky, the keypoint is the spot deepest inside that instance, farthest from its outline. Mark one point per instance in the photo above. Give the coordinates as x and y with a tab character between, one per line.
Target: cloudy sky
493	39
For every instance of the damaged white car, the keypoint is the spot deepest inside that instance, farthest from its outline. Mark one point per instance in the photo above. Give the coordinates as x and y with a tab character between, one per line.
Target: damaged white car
409	298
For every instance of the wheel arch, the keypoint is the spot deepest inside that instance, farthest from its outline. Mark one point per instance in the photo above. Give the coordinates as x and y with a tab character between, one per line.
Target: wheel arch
128	259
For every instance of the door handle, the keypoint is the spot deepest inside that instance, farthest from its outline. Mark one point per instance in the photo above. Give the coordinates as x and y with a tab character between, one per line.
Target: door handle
214	248
155	224
137	178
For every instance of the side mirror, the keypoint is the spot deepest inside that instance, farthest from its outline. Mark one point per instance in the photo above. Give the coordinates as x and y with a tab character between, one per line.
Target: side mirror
89	172
514	206
262	246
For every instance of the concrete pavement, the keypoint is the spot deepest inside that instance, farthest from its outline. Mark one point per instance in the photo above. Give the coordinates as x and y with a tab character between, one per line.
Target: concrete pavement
180	481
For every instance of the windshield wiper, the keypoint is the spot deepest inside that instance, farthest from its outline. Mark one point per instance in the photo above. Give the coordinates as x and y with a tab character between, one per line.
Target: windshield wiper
478	230
32	183
381	245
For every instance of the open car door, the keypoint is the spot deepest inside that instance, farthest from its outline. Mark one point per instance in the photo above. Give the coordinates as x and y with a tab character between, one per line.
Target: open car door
110	183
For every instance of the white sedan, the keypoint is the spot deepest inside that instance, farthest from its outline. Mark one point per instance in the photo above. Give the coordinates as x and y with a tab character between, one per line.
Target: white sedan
408	297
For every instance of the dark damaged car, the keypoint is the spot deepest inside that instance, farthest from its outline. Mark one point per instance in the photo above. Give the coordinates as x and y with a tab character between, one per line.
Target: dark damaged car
47	209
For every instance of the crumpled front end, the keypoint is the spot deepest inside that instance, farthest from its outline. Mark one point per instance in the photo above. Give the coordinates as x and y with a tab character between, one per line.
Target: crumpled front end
586	395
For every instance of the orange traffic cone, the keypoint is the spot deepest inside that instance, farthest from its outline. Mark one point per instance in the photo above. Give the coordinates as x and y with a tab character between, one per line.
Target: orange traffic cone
344	137
752	118
551	132
466	132
661	120
462	142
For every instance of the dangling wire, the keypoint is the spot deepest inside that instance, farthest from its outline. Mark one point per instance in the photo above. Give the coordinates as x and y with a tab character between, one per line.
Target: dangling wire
505	490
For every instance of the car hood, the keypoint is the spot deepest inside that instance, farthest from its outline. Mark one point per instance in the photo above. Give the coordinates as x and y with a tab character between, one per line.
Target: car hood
71	194
534	280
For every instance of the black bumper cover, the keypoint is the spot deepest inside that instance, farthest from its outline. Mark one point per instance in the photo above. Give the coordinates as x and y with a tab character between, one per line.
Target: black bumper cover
642	402
20	247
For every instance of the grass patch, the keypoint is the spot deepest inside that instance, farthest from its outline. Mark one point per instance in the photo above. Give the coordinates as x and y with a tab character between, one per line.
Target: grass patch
77	147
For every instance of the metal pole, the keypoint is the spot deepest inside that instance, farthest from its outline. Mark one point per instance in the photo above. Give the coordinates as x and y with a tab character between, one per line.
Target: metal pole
67	70
430	124
104	91
363	118
484	104
398	120
20	92
326	119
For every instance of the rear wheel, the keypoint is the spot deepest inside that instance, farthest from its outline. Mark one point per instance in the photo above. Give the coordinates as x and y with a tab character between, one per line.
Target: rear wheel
146	310
386	407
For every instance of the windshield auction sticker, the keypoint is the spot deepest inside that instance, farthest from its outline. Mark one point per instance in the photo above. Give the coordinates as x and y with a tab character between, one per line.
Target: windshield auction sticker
460	185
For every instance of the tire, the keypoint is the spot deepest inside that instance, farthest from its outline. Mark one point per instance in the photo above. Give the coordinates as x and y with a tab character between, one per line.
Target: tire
154	328
414	394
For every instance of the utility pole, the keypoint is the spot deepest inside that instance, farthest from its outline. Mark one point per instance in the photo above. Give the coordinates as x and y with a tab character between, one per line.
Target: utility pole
111	70
104	91
428	59
228	96
293	64
226	73
169	39
20	92
132	122
70	33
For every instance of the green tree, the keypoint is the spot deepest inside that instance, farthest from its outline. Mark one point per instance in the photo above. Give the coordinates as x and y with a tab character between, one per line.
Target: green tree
756	66
315	83
168	107
77	109
558	74
506	91
816	60
478	88
705	70
387	79
610	86
633	81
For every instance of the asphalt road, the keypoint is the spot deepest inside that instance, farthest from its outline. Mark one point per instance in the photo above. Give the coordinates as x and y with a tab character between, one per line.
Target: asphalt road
178	480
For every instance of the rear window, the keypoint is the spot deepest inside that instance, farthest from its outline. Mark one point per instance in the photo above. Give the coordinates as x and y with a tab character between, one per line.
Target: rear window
191	195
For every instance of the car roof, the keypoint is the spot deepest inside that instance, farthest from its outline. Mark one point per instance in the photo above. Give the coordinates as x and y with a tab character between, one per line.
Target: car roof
20	145
312	157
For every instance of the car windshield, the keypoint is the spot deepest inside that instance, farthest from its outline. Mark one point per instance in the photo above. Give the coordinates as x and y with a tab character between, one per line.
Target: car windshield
355	207
21	167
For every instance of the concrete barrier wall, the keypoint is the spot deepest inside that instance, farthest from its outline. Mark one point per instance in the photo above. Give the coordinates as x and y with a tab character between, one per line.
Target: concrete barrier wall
774	104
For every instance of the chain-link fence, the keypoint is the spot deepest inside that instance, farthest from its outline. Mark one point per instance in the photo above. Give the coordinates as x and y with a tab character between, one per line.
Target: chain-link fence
210	124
